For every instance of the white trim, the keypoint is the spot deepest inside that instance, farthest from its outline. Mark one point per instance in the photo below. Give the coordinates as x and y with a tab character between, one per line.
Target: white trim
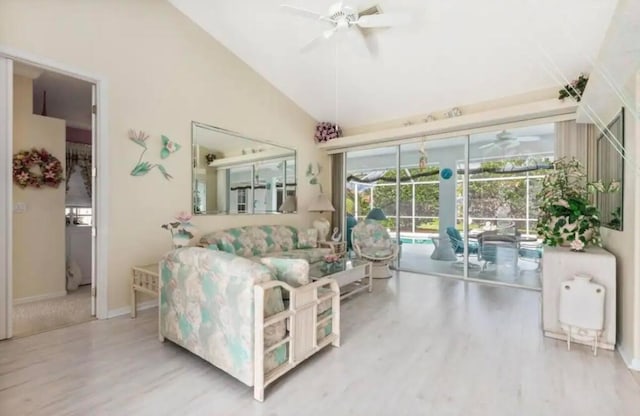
546	111
126	310
102	206
6	204
631	362
27	299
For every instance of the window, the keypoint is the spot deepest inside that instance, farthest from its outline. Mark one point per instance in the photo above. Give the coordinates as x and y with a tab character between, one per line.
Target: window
79	216
242	200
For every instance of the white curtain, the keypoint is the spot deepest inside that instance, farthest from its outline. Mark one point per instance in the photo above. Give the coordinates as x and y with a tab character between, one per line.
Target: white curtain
579	141
79	158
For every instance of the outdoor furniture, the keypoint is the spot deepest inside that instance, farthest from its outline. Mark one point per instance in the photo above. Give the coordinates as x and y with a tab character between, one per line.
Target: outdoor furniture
531	252
371	241
494	248
457	243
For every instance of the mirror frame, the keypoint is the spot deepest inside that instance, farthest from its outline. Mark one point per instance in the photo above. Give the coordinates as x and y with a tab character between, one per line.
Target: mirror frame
603	141
196	124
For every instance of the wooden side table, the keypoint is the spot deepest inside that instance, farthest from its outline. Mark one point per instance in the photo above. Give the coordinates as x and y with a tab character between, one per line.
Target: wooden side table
337	247
144	279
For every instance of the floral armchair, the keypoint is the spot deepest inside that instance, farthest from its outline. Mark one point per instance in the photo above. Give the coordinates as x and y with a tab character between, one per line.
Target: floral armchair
371	242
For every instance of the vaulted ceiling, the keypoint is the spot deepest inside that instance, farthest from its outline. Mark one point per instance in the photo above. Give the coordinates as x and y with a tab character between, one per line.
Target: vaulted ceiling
453	53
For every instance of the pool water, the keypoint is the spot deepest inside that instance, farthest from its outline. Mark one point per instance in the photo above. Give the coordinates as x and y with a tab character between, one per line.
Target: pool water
407	240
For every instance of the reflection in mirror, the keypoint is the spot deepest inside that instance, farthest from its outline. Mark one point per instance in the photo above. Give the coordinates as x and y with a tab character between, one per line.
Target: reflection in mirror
610	165
233	174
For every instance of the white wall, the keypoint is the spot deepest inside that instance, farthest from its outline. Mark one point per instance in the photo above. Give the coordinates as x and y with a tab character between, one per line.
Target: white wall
624	244
162	71
39	232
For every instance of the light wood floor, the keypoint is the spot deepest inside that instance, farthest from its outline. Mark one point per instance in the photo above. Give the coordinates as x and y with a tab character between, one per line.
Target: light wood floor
417	345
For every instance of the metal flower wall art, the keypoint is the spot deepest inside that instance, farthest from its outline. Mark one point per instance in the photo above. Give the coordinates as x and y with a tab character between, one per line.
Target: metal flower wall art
168	147
143	167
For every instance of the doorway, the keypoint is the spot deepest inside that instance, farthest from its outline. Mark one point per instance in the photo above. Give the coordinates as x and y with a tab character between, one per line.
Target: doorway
72	288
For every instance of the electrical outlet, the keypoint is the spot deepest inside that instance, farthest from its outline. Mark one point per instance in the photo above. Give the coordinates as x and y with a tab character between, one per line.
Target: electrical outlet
20	207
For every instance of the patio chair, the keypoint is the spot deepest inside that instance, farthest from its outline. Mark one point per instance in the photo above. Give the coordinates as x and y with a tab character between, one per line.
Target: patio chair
371	242
532	253
457	243
493	247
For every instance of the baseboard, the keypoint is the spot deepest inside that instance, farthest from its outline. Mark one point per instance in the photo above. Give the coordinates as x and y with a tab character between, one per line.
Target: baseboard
126	310
36	298
632	363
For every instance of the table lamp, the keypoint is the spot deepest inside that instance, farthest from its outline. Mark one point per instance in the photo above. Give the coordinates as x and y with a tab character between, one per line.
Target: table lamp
290	204
321	204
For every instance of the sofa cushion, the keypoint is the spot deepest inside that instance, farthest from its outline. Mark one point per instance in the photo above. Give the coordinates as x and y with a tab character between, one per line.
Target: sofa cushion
253	240
308	238
294	272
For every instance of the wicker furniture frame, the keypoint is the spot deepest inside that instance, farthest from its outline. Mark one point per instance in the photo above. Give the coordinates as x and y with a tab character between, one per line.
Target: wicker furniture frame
303	323
144	279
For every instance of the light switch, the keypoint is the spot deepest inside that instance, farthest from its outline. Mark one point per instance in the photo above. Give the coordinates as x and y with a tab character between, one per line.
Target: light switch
20	207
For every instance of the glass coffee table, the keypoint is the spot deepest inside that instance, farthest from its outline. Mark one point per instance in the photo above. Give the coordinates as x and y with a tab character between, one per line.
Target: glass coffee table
353	276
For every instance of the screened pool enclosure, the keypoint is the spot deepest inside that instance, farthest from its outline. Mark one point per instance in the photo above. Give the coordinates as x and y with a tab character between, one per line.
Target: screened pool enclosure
463	206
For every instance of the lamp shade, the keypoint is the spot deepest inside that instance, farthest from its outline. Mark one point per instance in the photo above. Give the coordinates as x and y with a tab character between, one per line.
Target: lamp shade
289	205
321	204
376	214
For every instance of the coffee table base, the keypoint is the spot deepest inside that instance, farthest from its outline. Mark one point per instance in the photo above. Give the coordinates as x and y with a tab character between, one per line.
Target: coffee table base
354	280
381	271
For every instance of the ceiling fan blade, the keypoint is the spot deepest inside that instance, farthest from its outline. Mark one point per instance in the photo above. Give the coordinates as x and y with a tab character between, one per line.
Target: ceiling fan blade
299	11
366	41
383	20
318	39
486	146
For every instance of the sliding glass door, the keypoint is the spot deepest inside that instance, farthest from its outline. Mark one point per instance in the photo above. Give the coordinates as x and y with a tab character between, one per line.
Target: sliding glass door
464	206
371	183
430	199
506	169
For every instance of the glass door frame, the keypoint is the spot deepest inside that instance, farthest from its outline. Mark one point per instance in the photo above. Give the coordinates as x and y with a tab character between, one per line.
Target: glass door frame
465	223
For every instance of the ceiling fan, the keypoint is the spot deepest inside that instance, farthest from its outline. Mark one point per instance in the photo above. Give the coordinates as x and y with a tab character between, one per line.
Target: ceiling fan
345	18
507	140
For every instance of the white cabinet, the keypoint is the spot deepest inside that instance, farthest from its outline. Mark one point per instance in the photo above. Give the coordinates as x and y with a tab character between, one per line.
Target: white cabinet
79	249
560	264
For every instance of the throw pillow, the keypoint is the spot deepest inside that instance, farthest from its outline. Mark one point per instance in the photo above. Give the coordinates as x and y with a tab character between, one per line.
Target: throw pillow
308	238
294	272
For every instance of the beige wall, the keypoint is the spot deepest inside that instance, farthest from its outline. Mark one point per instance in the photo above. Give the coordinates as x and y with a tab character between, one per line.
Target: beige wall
162	71
38	233
624	244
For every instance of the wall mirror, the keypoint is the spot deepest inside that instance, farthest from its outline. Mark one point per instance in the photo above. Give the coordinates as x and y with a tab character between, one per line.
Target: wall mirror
235	174
610	167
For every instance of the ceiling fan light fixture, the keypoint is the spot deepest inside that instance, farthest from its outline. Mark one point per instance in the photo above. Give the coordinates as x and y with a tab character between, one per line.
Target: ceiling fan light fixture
347	18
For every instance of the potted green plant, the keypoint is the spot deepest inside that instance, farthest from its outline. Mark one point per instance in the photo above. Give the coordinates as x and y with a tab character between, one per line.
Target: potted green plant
567	216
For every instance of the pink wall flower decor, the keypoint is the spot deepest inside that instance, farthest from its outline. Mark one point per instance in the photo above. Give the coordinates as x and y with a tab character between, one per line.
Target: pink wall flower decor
326	131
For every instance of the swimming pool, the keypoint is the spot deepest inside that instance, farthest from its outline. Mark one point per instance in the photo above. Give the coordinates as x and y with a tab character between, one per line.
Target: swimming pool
407	240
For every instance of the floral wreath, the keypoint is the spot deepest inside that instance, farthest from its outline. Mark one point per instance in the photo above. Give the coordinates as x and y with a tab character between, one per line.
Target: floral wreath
50	169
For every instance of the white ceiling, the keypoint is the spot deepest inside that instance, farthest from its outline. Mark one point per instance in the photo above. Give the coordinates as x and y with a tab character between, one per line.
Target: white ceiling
457	52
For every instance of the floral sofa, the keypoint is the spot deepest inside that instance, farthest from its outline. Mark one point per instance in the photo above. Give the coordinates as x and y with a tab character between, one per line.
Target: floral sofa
255	242
230	311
